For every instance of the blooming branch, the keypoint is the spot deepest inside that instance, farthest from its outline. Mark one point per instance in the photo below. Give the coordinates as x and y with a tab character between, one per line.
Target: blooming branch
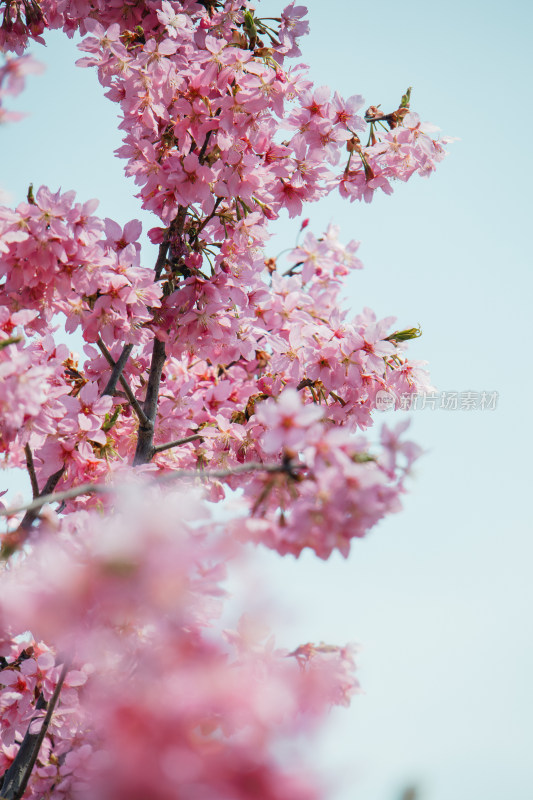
17	776
254	378
287	467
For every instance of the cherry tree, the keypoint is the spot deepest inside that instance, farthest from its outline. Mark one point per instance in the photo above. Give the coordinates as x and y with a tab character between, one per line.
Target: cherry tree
220	403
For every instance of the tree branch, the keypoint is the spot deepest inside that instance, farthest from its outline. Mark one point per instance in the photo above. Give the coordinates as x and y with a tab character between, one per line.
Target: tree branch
175	228
176	443
124	383
51	497
287	467
162	256
201	155
118	370
17	776
214	474
145	437
13	540
50	485
290	271
31	470
204	222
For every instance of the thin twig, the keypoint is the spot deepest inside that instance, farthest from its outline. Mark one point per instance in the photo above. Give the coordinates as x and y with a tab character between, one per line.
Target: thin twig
17	777
56	497
100	488
201	155
124	383
204	222
31	470
176	443
241	469
290	271
50	485
118	369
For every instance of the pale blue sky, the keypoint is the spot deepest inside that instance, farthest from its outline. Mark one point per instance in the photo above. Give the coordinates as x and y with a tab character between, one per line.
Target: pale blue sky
439	596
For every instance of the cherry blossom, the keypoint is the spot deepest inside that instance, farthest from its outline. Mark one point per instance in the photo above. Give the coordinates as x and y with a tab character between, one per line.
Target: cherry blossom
219	399
286	421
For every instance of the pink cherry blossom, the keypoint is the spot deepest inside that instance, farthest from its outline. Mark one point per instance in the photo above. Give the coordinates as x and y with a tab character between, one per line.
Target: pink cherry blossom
286	421
218	374
174	23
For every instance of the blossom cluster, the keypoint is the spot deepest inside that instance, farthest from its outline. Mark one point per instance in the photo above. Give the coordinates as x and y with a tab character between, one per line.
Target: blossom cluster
223	366
219	364
29	674
133	597
341	492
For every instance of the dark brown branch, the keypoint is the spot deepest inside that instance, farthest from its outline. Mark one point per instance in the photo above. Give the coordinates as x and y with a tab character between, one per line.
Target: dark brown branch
161	257
290	271
30	516
14	778
124	383
14	540
379	117
145	438
176	443
204	222
145	435
31	471
118	369
17	777
175	228
201	155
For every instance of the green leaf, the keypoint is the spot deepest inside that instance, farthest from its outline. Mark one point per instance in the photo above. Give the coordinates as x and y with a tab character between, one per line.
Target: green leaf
406	98
404	336
11	340
249	25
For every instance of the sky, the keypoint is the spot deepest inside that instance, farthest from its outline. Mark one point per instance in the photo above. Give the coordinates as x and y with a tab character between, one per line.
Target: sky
440	595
